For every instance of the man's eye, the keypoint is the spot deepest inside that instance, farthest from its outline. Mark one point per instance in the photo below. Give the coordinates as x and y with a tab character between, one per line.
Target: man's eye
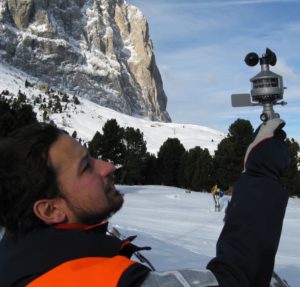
87	167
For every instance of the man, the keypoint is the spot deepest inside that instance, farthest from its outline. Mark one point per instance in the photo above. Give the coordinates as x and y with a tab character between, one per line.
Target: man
217	194
213	192
55	200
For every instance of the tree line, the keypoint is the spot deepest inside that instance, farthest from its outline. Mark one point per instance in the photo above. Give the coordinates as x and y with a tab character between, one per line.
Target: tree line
194	169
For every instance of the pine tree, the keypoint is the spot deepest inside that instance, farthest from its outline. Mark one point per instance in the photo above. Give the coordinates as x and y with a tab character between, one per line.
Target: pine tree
291	179
50	104
188	166
74	134
203	175
228	159
4	106
14	116
65	98
21	98
184	171
169	159
297	184
57	107
75	100
111	146
134	157
7	124
196	169
24	115
45	116
94	145
151	173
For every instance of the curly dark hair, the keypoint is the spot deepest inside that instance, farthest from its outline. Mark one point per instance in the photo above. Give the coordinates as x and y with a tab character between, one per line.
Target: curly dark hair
26	176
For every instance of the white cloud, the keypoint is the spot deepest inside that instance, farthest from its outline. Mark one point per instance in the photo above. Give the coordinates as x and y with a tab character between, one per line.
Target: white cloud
287	72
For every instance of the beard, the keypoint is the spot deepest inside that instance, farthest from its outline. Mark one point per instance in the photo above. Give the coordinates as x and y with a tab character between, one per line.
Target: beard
115	202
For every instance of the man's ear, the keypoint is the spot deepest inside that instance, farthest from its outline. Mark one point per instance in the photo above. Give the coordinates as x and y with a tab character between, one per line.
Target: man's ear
50	211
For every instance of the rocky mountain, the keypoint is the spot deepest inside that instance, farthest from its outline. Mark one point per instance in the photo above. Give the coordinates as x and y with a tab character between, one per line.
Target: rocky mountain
96	49
86	118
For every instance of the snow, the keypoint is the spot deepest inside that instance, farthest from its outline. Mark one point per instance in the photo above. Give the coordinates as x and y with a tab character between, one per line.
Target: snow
155	133
182	228
89	117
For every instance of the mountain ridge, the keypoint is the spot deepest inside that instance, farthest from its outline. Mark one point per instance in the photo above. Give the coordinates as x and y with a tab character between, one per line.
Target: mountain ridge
88	117
97	49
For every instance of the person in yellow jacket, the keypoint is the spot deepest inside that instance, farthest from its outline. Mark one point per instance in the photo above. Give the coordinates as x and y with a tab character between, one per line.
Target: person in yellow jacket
55	200
214	189
214	193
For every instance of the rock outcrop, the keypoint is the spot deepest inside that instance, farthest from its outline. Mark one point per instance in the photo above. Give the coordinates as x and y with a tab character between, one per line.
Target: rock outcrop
97	49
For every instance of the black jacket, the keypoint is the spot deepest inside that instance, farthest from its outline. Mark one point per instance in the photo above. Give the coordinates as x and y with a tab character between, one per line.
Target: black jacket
249	240
27	257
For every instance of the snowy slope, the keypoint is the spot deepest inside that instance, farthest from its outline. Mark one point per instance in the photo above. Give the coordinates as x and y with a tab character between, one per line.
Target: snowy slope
89	117
182	228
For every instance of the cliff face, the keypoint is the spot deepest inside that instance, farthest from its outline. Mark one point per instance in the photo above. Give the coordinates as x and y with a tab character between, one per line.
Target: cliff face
97	49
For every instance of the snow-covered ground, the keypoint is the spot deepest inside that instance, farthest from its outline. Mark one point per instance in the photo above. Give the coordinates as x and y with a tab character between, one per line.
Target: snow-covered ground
182	228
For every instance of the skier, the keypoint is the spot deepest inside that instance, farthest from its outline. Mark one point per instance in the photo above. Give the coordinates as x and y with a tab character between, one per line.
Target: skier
213	192
55	200
217	194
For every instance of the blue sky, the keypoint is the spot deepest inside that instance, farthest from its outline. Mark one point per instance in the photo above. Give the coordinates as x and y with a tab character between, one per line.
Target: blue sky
200	46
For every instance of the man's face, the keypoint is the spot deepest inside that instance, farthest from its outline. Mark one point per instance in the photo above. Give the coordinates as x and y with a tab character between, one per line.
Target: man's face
86	183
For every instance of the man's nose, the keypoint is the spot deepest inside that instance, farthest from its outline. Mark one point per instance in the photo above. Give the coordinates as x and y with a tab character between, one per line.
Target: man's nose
105	168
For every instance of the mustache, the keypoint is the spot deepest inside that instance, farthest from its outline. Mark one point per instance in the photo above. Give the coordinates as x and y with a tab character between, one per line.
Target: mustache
110	183
111	178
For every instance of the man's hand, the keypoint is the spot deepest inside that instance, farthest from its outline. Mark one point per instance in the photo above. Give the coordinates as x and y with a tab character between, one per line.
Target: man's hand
268	153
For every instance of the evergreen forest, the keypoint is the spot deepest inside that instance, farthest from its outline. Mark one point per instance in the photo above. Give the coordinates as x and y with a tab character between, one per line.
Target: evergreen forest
194	169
